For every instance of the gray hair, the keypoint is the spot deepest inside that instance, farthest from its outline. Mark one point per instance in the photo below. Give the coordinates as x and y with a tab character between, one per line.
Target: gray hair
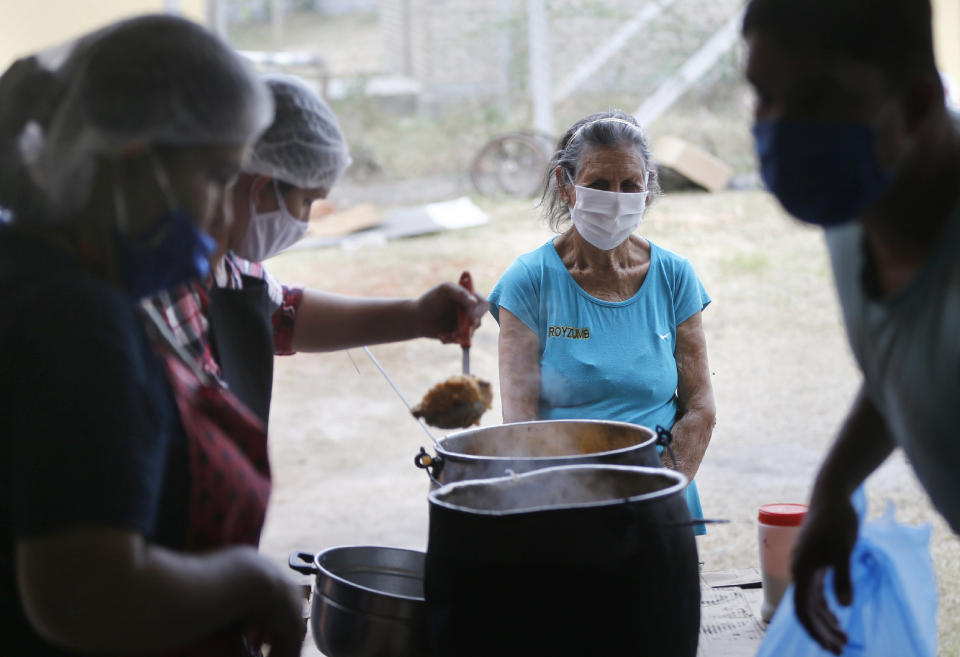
613	128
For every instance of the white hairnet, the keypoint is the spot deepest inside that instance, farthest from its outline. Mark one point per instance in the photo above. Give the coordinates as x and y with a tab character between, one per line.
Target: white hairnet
304	146
147	80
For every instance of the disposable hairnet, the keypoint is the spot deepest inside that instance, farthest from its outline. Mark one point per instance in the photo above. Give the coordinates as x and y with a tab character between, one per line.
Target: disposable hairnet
304	146
148	80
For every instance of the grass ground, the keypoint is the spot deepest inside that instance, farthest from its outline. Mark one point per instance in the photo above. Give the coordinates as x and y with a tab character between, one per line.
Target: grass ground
342	444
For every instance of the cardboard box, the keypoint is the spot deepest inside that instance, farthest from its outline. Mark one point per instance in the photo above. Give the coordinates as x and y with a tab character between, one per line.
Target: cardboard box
692	162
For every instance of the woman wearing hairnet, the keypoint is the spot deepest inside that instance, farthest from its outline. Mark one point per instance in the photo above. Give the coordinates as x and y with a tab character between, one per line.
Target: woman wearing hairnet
128	516
234	325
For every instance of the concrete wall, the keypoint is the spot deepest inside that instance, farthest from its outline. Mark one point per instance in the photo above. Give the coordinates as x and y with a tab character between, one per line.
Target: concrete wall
30	25
457	48
470	47
449	46
345	6
395	37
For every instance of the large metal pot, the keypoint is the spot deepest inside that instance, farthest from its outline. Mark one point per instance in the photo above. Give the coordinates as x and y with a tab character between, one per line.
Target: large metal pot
565	561
367	601
494	451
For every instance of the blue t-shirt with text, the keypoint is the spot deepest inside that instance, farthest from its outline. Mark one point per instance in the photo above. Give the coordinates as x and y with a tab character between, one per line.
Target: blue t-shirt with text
603	359
610	360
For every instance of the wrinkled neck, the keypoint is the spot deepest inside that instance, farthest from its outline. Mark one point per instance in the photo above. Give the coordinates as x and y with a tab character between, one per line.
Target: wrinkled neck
579	254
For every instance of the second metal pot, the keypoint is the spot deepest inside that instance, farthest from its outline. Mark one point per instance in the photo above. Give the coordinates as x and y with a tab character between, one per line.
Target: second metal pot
367	601
494	451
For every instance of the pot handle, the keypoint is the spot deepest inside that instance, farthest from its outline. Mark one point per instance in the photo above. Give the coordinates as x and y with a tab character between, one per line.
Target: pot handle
432	464
696	521
665	439
302	562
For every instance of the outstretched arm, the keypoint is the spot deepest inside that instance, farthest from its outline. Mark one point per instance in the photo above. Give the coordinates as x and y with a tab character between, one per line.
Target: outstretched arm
328	322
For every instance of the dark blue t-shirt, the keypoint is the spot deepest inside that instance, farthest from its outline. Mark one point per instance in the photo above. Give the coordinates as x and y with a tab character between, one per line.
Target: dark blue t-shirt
89	435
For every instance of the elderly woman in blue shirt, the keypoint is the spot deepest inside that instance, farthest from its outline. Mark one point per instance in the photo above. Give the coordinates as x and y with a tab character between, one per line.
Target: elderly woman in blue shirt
601	323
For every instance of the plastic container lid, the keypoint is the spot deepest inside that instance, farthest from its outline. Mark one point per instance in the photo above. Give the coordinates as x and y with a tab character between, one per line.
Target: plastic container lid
782	515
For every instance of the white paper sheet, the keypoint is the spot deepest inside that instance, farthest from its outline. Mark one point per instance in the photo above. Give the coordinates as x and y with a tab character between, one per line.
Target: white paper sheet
728	624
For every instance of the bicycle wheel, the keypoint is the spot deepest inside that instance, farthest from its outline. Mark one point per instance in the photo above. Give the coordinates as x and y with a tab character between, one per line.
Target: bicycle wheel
509	165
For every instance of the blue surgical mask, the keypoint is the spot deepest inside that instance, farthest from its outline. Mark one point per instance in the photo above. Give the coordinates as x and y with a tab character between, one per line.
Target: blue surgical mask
173	250
822	173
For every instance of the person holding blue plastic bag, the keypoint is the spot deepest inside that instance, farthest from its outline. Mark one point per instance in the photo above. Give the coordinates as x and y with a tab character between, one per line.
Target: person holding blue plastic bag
894	612
853	135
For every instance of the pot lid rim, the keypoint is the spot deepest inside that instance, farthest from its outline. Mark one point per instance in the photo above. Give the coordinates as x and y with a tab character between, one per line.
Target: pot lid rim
329	574
678	486
441	448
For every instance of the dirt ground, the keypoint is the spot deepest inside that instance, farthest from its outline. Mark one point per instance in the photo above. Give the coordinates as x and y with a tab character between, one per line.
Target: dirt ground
342	443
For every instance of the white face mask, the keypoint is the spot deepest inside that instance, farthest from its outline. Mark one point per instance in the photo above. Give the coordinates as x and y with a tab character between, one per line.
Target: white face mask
269	233
606	219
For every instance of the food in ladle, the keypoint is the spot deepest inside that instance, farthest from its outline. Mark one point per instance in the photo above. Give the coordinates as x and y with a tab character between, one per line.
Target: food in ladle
459	401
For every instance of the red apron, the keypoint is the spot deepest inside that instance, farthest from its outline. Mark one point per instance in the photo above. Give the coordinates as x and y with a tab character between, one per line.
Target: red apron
229	474
229	483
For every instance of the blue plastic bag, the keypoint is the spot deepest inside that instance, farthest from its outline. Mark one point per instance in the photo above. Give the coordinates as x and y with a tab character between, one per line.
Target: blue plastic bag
894	609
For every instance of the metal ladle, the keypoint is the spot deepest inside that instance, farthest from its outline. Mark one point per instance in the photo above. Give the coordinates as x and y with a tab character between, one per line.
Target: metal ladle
393	385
